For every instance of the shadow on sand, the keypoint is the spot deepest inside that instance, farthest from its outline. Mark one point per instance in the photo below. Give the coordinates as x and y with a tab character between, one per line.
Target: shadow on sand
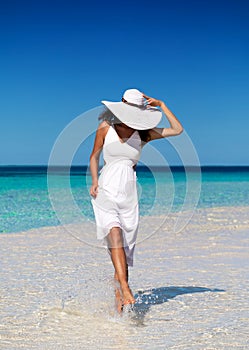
146	298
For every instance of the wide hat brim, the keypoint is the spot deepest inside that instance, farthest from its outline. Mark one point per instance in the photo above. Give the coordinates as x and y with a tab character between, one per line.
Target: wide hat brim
138	118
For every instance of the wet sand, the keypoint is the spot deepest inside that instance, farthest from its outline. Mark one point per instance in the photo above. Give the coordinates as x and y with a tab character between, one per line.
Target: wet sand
191	287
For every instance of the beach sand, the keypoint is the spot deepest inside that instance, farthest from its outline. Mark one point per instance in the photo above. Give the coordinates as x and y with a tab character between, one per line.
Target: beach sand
191	287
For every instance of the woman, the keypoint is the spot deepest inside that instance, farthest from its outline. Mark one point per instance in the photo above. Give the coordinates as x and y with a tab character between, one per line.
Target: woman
125	128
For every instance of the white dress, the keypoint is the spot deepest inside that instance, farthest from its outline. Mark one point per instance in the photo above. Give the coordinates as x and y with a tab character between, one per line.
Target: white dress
116	204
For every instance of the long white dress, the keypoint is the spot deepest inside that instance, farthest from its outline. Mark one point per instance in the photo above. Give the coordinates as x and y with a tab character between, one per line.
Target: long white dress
116	204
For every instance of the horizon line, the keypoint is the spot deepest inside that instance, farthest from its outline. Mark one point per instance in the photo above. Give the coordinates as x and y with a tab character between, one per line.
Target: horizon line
138	165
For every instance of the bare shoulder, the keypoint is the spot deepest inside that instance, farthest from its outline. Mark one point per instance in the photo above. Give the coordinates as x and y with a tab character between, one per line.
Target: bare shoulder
100	138
103	124
102	129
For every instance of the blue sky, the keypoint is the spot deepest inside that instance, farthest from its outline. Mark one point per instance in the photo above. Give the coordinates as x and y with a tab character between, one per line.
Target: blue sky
61	58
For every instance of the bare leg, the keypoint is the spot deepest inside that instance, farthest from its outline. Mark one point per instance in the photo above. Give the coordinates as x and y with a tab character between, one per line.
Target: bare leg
118	256
118	295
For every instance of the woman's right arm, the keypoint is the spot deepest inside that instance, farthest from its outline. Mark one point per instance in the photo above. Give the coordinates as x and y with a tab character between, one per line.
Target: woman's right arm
94	158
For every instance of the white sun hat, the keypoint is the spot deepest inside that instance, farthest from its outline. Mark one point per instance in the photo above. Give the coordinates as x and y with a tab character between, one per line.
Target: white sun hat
135	113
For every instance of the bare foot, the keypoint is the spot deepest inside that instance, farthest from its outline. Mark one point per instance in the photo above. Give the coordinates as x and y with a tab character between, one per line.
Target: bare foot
128	297
119	302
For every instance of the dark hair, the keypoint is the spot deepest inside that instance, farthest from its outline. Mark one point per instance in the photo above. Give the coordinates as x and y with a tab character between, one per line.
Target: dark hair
110	118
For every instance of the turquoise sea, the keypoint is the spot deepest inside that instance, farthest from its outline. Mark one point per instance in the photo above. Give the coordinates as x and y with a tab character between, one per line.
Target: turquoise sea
25	201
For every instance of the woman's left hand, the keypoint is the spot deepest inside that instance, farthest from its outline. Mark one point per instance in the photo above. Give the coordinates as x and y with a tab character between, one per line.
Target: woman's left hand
152	101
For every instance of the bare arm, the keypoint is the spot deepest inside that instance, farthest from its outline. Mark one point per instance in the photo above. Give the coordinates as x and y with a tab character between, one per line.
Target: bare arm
175	125
94	157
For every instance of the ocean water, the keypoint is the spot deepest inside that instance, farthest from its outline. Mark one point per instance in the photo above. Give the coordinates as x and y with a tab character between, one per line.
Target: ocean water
25	194
191	288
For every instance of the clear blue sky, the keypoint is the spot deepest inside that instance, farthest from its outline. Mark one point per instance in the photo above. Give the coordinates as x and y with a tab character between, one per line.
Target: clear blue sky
61	58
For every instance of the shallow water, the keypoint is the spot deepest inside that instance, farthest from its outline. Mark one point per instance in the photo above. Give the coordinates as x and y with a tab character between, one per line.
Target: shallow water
191	289
25	203
191	286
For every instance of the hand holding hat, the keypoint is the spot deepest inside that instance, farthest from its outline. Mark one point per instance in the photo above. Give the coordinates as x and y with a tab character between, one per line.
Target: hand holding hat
152	101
